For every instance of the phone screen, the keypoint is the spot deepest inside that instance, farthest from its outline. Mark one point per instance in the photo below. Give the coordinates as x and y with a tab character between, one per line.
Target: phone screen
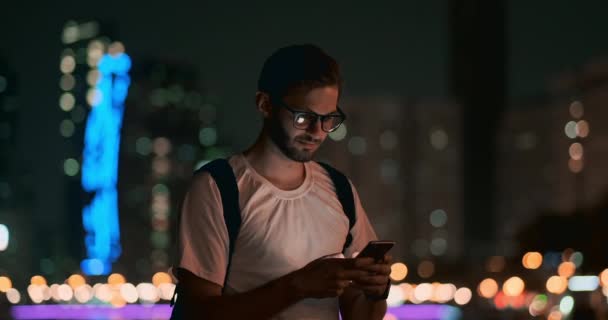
376	249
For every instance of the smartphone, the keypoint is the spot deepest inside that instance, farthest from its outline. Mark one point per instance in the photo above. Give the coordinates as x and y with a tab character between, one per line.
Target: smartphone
376	249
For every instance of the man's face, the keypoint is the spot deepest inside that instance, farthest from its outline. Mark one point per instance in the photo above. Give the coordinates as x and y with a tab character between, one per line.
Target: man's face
301	144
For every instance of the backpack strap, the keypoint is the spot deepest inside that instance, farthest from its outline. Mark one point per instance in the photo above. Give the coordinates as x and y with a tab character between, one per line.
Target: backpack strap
222	173
345	196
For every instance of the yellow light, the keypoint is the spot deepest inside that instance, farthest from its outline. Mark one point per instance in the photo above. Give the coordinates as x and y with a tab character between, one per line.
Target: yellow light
116	279
76	281
557	284
5	284
488	288
160	278
513	287
566	269
38	280
532	260
398	271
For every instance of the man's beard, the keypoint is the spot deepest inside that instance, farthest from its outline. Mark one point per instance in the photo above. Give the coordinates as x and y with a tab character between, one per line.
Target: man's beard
279	136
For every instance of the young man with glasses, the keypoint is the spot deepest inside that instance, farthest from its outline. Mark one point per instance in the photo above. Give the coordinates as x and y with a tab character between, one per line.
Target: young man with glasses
283	263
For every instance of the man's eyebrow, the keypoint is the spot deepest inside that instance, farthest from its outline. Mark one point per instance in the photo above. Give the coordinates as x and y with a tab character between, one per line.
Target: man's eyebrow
307	109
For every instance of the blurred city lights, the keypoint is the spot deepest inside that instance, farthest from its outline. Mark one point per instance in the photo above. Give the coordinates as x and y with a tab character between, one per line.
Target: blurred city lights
398	271
488	288
514	286
576	151
439	139
5	284
67	101
147	292
557	284
570	129
438	218
207	136
576	258
35	293
13	296
396	296
339	134
161	146
129	293
583	283
423	292
166	290
83	293
463	296
575	166
67	82
4	237
66	128
538	305
532	260
38	280
388	140
495	264
76	281
68	64
71	167
116	279
566	269
566	305
160	278
426	269
444	292
357	145
65	292
582	128
577	109
604	277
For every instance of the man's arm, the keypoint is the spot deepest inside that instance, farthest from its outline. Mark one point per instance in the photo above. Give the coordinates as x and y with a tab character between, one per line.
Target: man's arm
321	278
355	306
354	303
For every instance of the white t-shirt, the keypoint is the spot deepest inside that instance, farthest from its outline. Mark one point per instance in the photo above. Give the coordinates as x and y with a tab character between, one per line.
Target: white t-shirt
281	231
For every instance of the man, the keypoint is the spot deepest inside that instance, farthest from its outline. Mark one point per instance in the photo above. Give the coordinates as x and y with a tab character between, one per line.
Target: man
292	221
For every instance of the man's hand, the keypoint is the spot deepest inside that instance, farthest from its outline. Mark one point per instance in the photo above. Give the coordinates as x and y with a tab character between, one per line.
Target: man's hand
325	277
375	277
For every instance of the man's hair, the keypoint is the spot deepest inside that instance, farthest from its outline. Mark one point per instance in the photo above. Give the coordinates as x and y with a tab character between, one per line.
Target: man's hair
298	67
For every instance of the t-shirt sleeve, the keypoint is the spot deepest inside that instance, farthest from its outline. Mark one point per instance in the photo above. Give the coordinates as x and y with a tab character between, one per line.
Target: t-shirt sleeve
362	231
203	236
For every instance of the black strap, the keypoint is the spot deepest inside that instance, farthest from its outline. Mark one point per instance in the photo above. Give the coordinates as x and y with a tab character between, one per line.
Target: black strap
222	173
345	195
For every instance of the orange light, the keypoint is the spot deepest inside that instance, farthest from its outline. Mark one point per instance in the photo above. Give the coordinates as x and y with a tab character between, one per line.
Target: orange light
398	271
116	279
5	284
38	280
160	278
76	281
513	287
488	288
532	260
566	269
604	278
557	284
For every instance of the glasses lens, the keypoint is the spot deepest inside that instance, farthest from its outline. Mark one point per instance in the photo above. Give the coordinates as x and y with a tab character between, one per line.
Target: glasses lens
303	120
332	123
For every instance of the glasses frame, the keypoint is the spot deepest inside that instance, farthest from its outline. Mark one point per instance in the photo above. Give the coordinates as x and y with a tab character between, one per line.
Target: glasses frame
321	117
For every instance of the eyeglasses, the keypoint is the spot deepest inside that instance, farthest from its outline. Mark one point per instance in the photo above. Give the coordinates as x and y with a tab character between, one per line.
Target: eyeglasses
303	120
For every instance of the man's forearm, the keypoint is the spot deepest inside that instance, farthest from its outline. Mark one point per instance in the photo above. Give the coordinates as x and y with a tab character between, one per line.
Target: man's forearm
257	304
355	306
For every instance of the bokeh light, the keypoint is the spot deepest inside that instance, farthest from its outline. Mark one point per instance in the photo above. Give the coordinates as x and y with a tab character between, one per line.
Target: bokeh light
160	278
513	287
38	280
398	271
557	284
5	284
570	129
13	296
566	305
463	296
76	281
423	292
488	288
576	109
339	134
576	151
116	279
566	269
604	277
438	218
426	269
582	128
532	260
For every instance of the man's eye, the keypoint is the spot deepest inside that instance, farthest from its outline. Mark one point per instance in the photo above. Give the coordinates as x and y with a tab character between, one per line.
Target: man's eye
301	119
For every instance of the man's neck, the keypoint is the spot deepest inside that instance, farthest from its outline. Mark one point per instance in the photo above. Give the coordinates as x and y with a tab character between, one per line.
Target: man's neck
270	162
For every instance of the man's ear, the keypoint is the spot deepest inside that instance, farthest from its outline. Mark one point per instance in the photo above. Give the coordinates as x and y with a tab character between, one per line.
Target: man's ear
262	101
